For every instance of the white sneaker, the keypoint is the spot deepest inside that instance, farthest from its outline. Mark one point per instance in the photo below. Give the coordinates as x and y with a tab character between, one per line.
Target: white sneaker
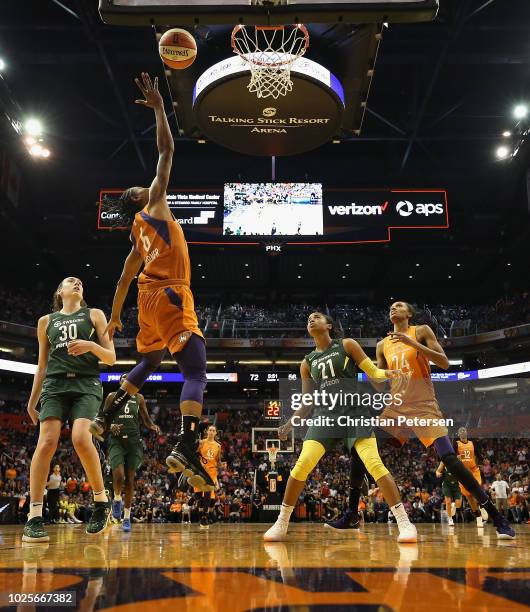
450	522
453	508
480	523
278	532
484	514
408	533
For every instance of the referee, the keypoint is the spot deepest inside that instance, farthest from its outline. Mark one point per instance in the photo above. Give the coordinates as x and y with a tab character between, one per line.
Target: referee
54	488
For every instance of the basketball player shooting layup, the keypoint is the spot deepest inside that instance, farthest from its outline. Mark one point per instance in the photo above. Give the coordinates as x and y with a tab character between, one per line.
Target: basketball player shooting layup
166	313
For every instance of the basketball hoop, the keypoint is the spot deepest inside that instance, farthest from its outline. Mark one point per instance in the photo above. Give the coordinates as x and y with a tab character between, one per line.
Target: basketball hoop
270	52
273	453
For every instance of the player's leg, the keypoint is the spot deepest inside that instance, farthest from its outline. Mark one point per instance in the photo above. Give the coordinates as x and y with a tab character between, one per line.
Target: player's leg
203	510
312	452
450	509
473	504
129	494
118	483
50	430
369	454
183	458
135	380
446	453
86	406
350	519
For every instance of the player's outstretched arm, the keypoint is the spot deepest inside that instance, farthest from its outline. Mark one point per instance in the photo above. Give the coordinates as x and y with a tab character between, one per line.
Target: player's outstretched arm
355	351
131	267
146	418
40	374
164	140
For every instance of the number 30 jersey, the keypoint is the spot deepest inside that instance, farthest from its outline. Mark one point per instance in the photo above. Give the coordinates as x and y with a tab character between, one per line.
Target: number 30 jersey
329	366
61	330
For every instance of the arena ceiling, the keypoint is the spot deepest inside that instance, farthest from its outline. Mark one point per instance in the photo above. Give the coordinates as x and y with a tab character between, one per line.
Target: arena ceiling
441	96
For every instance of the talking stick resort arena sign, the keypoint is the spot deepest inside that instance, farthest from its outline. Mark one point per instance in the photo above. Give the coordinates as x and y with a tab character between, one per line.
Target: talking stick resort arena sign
307	117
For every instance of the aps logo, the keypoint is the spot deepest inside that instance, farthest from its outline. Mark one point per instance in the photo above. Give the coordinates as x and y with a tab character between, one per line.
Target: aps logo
406	208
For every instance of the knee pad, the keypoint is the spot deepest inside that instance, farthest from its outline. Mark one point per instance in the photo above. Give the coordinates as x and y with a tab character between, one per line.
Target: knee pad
369	454
312	452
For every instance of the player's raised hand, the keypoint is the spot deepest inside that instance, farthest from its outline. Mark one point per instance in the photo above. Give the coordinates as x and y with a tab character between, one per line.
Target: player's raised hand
149	89
112	326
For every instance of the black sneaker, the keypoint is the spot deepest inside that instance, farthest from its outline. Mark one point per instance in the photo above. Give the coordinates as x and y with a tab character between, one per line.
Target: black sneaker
185	459
100	518
34	531
97	428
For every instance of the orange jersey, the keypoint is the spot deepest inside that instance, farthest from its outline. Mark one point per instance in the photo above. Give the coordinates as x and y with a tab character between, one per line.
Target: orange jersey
164	250
402	356
211	454
466	452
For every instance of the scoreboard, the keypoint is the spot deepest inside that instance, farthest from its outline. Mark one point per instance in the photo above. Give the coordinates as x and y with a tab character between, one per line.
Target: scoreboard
272	410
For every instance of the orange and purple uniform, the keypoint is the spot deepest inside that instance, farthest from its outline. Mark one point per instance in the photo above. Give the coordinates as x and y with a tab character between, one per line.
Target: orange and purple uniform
210	455
166	311
466	454
418	398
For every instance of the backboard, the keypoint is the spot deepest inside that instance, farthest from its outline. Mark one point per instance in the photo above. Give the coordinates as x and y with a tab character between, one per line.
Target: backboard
263	12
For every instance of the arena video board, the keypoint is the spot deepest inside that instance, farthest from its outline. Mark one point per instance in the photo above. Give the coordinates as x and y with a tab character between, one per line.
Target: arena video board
296	213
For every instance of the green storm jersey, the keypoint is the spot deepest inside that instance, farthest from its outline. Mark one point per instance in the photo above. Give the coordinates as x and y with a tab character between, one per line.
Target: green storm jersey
127	417
61	330
329	366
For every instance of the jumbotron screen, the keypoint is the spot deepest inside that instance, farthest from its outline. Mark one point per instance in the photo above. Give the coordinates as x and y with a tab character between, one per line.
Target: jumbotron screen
295	213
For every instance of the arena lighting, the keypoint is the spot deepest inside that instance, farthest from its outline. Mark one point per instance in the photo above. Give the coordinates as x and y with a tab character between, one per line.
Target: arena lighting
520	111
2	65
46	153
455	362
33	127
506	134
30	141
502	152
256	362
36	150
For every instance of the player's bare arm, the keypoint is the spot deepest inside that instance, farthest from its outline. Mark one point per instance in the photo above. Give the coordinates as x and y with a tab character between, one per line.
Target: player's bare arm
145	415
40	374
353	349
131	267
426	343
157	205
103	349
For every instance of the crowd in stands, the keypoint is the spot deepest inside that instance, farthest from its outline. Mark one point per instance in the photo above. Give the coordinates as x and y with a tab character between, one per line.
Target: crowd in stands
157	498
289	320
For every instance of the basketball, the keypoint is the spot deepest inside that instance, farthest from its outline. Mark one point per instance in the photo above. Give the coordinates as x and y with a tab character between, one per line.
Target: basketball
177	49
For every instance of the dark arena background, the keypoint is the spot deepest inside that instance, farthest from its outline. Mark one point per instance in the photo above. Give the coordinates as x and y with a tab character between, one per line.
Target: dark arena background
342	174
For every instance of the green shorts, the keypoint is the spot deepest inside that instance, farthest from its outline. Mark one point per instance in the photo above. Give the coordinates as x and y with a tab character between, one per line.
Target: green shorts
70	399
451	489
125	451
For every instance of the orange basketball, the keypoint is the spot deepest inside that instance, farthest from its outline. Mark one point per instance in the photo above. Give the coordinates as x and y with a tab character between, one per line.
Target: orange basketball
177	49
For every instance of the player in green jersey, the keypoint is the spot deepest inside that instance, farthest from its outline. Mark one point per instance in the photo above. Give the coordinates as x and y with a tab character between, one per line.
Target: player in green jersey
451	492
125	450
72	341
328	369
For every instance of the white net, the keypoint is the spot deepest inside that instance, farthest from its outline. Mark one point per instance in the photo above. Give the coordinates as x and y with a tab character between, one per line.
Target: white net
270	52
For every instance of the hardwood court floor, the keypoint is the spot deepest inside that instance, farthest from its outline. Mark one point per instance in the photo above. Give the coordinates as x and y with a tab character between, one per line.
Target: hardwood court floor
230	569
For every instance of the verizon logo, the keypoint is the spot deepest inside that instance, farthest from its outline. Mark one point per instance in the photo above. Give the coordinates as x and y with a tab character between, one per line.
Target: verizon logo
357	209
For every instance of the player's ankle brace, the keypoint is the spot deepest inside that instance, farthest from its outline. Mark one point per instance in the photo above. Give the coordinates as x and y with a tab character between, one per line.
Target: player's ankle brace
189	428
